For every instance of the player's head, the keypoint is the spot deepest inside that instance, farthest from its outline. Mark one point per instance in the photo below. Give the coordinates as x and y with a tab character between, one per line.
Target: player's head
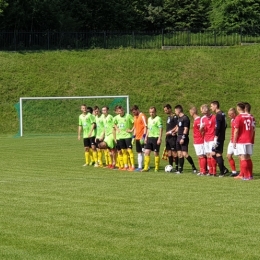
116	109
95	110
247	107
178	110
232	112
193	111
89	110
120	111
214	105
105	110
102	145
152	111
241	107
135	110
204	109
83	108
167	109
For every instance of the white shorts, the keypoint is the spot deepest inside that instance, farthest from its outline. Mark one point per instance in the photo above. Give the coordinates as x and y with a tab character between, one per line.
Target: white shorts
199	149
208	146
243	149
231	149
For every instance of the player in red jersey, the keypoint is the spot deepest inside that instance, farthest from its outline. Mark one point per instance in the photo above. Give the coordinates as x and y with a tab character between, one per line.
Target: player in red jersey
140	129
207	128
230	150
244	131
219	139
198	141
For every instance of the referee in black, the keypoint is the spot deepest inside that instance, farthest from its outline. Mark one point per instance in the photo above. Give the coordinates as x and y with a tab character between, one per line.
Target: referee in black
171	135
220	133
183	139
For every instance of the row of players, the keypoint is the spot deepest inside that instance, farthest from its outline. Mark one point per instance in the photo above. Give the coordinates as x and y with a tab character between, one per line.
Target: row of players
115	136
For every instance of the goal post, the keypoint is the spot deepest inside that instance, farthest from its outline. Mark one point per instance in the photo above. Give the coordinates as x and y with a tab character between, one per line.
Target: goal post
50	115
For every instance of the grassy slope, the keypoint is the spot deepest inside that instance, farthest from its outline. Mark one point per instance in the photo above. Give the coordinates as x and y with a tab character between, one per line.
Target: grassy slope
150	77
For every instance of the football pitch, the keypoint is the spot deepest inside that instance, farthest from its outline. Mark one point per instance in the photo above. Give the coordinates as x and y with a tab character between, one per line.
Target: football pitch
53	208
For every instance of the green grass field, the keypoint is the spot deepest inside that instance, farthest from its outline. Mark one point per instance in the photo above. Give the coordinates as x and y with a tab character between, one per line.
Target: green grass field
53	208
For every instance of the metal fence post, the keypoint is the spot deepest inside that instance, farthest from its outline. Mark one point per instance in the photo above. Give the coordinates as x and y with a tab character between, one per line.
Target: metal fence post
104	40
162	37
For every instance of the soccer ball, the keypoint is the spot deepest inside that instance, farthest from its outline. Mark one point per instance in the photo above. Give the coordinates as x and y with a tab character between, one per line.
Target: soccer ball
168	168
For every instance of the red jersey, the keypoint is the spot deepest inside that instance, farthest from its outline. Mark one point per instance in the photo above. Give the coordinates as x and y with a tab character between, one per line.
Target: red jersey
209	123
232	129
197	136
253	137
244	124
140	125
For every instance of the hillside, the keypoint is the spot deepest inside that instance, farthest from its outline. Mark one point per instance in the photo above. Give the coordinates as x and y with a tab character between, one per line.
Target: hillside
151	77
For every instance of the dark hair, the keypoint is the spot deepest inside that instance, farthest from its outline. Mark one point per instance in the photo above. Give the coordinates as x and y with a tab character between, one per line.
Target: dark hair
179	107
247	107
168	106
95	107
152	107
241	105
216	103
134	107
106	107
90	110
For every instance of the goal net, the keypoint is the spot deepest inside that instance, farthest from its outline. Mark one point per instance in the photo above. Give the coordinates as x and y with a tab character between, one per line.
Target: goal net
59	115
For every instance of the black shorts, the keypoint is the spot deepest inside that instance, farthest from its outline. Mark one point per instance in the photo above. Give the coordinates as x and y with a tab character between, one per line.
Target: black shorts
219	148
182	147
98	142
152	145
124	143
139	147
170	142
88	142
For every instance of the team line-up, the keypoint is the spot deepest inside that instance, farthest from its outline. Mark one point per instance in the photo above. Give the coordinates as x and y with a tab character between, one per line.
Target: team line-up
115	136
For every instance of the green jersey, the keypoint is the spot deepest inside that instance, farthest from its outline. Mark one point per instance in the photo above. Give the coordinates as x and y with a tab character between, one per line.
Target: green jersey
99	125
123	123
86	121
108	124
154	125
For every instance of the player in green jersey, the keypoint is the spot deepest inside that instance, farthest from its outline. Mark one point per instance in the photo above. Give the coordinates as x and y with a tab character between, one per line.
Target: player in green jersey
99	133
87	125
109	138
153	139
124	124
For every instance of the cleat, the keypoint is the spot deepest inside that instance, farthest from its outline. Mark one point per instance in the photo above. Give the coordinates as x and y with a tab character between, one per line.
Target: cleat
145	170
225	171
108	166
194	170
124	169
233	174
138	169
179	172
200	174
131	169
112	167
156	170
221	175
248	179
96	165
85	164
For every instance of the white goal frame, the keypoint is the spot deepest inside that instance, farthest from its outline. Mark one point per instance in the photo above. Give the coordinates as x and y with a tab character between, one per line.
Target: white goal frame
76	97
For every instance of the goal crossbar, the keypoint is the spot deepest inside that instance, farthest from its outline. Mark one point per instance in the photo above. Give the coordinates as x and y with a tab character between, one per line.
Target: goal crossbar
72	97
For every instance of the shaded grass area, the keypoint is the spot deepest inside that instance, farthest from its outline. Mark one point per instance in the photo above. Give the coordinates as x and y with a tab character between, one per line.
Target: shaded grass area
150	77
53	208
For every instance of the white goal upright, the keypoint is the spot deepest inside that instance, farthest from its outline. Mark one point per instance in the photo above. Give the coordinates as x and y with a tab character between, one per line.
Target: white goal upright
59	115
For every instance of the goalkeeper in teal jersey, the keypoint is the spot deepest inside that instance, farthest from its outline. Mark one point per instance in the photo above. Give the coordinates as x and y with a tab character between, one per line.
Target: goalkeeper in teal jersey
87	125
153	139
124	125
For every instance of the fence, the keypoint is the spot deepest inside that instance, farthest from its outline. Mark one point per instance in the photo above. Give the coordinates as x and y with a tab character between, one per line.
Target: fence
15	41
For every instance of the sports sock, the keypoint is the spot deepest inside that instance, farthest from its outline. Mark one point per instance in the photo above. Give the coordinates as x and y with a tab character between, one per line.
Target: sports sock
250	167
232	164
190	160
146	162
209	164
220	163
131	156
91	155
87	157
214	166
181	164
125	157
99	155
140	160
243	169
156	162
95	158
176	161
170	159
106	152
120	160
203	164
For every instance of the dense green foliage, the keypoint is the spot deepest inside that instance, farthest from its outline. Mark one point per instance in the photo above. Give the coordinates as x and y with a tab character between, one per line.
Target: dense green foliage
150	77
66	15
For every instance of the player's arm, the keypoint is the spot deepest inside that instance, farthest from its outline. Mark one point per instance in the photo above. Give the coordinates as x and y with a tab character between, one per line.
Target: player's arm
160	135
218	126
79	131
114	134
236	132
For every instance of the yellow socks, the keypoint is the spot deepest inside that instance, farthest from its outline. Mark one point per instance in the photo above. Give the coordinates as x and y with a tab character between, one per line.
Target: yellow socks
146	162
131	156
156	162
